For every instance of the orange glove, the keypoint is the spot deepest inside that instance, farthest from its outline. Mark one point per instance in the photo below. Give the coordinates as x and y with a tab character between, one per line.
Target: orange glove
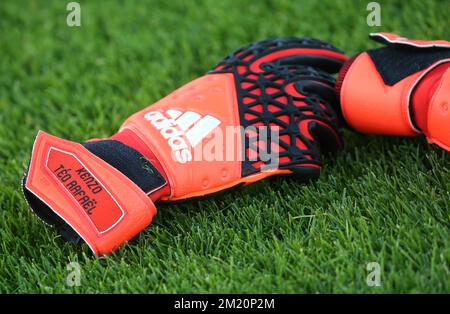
401	89
277	96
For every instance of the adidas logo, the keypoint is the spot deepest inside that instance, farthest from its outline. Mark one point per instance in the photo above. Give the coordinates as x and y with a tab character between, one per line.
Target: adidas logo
180	128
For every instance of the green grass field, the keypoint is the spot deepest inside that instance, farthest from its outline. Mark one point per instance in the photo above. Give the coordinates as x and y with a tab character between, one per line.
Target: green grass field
384	199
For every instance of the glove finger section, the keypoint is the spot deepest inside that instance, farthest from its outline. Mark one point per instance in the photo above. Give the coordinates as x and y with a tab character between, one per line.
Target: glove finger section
294	97
283	51
325	94
83	196
328	64
329	140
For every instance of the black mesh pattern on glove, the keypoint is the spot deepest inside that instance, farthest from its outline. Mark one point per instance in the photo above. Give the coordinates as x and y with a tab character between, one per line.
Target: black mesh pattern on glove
284	93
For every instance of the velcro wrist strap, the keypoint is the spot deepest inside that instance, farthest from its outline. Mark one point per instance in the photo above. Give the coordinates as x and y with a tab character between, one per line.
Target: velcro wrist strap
103	206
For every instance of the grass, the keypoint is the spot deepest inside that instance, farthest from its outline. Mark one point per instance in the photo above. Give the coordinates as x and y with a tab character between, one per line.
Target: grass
383	199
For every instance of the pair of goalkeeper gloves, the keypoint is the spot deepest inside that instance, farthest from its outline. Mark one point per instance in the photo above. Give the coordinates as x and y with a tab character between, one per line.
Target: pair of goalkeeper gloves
270	108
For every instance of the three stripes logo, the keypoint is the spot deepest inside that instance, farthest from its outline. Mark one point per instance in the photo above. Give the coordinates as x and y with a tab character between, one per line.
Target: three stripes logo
182	130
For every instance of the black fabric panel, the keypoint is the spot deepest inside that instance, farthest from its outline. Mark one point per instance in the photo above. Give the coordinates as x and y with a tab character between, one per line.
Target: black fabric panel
396	63
128	161
47	215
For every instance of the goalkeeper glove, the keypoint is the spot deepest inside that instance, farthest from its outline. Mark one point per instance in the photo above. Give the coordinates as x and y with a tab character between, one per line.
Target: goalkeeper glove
278	94
400	89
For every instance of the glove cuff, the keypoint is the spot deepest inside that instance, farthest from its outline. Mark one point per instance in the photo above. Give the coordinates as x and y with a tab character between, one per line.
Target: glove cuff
68	186
430	101
365	104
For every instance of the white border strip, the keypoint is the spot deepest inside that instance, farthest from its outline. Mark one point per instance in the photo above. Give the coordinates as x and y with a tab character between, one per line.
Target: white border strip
401	40
157	188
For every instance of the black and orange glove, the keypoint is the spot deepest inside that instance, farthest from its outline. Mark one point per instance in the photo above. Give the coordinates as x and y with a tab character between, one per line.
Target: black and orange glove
400	89
267	109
